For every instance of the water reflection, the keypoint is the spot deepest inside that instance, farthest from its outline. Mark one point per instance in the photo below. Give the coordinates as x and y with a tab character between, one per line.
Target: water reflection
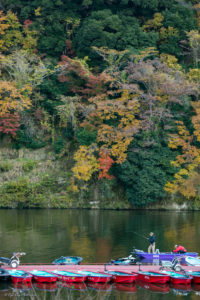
78	291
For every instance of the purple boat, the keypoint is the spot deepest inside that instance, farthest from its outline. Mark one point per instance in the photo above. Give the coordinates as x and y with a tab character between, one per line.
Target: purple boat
159	256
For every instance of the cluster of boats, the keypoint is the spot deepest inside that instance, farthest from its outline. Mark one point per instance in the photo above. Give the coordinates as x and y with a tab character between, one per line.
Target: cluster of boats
161	277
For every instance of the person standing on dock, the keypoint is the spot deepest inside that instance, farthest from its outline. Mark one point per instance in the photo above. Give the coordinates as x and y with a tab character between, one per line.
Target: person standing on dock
152	241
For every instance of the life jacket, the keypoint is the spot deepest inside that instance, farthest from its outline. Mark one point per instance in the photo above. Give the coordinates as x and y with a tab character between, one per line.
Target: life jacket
180	248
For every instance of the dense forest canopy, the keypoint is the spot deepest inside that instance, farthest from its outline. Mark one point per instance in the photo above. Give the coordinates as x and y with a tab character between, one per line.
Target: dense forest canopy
111	88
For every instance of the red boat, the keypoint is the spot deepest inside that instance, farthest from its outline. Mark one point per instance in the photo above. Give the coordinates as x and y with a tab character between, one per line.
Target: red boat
43	276
153	277
19	276
195	276
177	278
69	276
126	287
96	277
156	288
122	277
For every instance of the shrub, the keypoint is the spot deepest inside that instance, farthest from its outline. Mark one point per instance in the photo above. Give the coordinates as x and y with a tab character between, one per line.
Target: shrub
5	166
29	165
59	145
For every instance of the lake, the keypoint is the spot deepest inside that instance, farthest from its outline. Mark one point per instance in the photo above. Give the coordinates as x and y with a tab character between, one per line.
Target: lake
97	236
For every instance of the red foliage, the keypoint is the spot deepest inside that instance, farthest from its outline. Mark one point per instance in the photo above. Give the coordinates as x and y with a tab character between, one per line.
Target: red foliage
9	123
80	80
27	23
70	50
105	163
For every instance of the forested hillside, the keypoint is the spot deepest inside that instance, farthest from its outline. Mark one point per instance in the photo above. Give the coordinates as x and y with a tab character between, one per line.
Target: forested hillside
99	103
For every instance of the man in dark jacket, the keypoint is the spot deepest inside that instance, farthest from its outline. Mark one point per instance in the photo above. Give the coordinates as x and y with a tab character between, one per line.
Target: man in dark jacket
152	241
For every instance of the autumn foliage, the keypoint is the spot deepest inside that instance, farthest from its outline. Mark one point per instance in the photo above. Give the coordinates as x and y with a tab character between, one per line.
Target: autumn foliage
9	123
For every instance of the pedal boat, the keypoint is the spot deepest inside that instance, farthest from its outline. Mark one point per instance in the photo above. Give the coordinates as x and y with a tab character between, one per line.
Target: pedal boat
195	276
69	276
43	276
122	277
153	277
96	277
177	278
19	276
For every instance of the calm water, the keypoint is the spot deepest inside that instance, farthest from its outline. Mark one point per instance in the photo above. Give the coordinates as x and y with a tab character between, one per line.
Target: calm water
97	236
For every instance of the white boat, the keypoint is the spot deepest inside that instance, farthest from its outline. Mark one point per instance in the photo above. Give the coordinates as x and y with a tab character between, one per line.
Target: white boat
192	261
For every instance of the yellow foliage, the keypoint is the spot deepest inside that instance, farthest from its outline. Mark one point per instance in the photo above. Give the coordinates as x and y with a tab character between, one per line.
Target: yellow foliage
171	61
37	11
168	32
194	75
154	23
86	163
115	137
13	99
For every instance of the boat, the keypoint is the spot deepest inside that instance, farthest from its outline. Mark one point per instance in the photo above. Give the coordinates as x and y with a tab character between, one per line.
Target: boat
156	288
96	277
122	277
18	276
43	276
68	260
192	261
195	276
177	278
129	260
162	255
153	277
69	276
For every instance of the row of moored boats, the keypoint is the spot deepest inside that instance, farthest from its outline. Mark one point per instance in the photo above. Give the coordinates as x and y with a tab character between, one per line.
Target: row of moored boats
161	277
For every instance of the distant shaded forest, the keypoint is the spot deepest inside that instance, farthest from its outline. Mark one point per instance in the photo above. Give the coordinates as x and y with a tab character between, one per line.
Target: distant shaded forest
110	88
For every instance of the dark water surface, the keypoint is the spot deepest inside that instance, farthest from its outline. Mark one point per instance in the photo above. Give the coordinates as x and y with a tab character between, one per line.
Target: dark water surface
97	236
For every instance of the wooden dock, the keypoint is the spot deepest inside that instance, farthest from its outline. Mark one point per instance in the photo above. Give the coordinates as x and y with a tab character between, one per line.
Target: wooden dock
94	267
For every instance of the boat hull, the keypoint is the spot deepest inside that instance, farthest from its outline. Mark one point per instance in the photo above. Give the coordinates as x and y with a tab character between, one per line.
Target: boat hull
99	279
122	277
163	256
43	276
44	279
179	280
71	278
152	278
20	279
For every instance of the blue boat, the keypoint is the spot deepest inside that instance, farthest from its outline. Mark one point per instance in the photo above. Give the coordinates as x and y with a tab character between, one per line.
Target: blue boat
68	260
177	278
159	256
69	276
96	277
43	276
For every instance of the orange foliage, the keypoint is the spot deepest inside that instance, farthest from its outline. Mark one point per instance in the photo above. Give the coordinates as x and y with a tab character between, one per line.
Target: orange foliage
13	99
105	163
